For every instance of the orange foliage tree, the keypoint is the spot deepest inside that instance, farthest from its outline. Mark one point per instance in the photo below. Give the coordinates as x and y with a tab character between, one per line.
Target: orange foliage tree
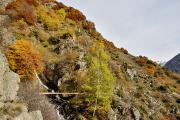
88	25
149	65
71	12
151	69
19	9
24	59
124	50
108	44
59	5
75	14
141	60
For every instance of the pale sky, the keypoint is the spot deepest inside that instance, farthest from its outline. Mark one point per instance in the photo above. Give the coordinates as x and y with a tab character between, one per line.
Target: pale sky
144	27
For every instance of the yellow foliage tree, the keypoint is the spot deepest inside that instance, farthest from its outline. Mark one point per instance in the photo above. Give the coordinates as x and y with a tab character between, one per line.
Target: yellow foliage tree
24	59
100	81
50	18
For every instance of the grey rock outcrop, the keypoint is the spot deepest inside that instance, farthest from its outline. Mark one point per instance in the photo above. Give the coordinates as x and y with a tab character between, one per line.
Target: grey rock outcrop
8	81
3	3
10	86
136	114
131	73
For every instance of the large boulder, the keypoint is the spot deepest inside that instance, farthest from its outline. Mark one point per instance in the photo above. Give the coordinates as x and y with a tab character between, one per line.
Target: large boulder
8	81
35	115
10	86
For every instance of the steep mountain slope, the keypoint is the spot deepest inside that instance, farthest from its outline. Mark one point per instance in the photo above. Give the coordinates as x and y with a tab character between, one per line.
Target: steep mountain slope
174	64
56	51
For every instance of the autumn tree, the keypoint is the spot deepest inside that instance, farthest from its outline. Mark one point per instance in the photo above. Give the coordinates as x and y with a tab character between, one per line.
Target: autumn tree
149	65
49	17
88	25
71	12
74	14
59	5
25	9
24	59
108	44
100	80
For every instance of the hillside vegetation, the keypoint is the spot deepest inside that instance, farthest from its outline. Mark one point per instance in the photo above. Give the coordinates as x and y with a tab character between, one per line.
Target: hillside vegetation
98	80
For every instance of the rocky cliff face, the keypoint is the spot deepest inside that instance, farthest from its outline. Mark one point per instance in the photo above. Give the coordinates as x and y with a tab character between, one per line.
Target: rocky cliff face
10	106
174	64
55	65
